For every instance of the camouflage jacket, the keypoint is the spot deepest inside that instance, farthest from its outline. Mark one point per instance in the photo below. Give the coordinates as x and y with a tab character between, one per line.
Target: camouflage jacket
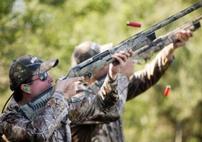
128	89
52	121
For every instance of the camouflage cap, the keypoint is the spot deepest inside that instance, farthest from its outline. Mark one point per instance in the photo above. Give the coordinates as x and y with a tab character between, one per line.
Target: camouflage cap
86	50
23	68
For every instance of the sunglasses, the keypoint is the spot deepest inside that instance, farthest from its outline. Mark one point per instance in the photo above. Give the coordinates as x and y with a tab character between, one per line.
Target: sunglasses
41	76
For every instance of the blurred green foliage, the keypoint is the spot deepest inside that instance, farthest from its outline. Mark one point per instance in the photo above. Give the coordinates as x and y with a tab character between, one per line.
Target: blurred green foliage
52	28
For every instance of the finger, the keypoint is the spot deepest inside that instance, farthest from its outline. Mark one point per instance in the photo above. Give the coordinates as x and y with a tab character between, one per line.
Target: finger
117	58
130	51
121	53
121	61
123	56
181	37
184	37
127	54
190	34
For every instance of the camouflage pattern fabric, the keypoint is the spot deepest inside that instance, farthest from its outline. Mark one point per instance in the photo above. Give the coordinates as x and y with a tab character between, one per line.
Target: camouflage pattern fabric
52	122
96	131
16	127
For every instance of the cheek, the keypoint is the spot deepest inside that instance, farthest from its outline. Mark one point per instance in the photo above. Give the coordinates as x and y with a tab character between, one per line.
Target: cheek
39	87
34	90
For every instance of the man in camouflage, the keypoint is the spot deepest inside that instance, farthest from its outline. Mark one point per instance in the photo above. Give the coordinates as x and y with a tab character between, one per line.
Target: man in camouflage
130	85
29	81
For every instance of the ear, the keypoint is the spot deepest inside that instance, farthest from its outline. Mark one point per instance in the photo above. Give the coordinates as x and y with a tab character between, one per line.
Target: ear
25	88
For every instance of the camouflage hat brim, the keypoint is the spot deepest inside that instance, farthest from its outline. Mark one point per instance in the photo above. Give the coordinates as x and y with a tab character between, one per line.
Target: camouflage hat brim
47	65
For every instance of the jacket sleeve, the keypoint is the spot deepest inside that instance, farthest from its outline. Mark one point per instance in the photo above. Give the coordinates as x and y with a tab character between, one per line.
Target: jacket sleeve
142	80
16	127
90	105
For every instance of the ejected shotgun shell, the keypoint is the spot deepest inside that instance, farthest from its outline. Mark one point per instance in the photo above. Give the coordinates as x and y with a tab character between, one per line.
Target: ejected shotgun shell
167	90
134	24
